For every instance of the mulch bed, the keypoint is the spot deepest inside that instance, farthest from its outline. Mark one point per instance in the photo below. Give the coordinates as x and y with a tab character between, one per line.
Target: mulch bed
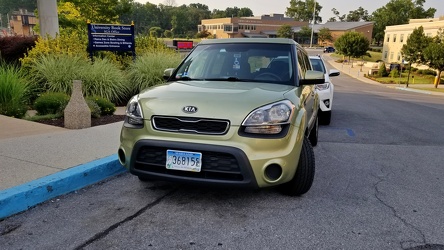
94	121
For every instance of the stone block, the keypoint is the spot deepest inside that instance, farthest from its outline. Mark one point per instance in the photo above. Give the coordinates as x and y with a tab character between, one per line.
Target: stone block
77	114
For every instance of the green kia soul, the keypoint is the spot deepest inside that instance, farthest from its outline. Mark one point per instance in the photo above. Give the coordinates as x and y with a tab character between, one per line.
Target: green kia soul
235	113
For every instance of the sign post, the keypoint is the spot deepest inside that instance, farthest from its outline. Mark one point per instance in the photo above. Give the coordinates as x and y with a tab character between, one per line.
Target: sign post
111	37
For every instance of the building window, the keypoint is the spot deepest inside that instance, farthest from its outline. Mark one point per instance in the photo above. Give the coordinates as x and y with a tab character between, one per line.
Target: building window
399	57
402	38
391	56
228	27
388	38
394	38
385	54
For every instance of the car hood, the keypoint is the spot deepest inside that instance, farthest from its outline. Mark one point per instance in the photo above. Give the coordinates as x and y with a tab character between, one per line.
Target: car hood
213	99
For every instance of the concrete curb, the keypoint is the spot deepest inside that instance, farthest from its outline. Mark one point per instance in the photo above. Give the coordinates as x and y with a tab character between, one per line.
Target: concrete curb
20	198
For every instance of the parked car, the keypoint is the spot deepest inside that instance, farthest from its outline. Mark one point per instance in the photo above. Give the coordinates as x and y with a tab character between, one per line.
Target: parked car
228	116
329	49
325	90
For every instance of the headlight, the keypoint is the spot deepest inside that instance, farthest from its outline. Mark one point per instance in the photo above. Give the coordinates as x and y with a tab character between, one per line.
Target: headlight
269	119
323	86
134	112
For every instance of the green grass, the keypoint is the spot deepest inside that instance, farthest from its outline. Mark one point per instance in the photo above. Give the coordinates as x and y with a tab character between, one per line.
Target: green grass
374	56
56	72
148	70
13	91
428	89
418	79
104	79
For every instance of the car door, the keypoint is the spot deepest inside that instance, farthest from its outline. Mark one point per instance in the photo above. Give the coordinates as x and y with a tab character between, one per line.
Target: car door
308	91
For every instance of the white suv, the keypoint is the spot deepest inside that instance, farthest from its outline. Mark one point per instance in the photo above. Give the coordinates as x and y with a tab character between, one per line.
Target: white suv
325	90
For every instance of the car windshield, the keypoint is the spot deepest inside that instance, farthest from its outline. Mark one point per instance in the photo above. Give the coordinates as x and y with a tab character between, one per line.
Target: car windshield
317	64
252	62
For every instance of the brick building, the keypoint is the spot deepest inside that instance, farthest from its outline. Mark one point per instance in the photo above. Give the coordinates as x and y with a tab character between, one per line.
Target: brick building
258	26
22	23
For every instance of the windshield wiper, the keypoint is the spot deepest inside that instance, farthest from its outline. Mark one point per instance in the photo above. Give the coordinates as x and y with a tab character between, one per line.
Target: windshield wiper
229	79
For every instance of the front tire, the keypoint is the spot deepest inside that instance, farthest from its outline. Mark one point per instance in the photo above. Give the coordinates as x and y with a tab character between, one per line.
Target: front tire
304	176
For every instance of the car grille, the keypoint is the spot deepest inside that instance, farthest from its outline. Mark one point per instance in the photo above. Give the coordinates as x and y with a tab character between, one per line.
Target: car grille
215	165
191	125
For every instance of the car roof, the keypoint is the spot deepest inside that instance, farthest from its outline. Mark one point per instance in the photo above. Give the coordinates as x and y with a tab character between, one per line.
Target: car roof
315	57
249	40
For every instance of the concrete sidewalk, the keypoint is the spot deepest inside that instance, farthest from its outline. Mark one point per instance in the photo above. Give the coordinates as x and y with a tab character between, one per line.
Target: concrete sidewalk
36	157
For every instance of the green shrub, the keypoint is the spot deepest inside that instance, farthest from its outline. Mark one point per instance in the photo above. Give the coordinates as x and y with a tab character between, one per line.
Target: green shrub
94	108
394	73
429	72
104	79
106	107
14	88
51	103
382	72
148	70
70	43
420	71
55	73
13	48
414	69
149	44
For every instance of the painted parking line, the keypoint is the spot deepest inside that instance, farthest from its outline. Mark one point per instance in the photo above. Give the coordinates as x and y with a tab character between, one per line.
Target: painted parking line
348	131
20	198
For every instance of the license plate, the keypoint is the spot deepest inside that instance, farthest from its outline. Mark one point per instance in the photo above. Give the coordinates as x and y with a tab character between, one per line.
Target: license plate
183	160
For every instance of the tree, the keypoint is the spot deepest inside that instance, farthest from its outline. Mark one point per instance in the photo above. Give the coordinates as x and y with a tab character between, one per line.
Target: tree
338	15
358	15
303	11
144	17
70	16
285	31
352	44
398	12
434	55
217	14
168	33
155	31
303	35
413	50
203	34
245	12
324	34
102	11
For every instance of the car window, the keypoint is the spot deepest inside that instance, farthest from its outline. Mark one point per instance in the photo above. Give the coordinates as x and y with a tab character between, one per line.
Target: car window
254	62
317	65
303	61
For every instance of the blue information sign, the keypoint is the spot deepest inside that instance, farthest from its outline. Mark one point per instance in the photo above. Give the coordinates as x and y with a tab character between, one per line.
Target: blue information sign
111	37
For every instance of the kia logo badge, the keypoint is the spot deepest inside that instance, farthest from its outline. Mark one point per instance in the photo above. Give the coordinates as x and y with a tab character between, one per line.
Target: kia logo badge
189	109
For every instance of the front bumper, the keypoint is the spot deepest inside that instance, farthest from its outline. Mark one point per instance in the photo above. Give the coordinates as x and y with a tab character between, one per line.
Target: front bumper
227	160
326	98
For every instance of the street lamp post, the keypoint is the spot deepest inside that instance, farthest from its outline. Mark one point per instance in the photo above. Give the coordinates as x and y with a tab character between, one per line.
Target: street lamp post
312	25
48	17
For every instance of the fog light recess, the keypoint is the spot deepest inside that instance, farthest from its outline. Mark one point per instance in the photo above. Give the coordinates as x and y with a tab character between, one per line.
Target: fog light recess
273	172
121	155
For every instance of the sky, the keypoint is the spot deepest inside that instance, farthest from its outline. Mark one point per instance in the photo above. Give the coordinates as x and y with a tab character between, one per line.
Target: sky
261	7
